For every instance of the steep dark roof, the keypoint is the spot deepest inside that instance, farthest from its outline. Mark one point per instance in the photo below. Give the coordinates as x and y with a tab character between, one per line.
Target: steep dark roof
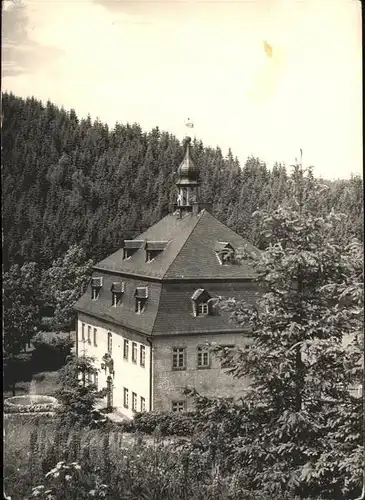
190	253
168	283
168	309
125	313
175	312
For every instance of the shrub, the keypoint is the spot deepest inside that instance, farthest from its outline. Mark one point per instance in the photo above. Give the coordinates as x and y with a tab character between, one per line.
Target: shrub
18	368
76	396
50	351
167	424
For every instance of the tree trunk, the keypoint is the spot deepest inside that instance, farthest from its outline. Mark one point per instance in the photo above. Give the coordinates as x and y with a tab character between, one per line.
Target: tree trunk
13	388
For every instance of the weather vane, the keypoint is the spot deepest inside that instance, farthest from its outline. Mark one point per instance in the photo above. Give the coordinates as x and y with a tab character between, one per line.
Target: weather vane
189	124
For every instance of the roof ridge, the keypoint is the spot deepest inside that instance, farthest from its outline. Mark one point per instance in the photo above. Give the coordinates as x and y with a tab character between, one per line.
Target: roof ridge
185	242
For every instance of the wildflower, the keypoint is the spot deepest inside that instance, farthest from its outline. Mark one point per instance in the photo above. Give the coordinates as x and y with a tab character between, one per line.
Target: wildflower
92	493
52	471
68	477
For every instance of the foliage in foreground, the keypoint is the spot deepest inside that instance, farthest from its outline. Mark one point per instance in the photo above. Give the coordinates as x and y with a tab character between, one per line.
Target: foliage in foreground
44	459
299	427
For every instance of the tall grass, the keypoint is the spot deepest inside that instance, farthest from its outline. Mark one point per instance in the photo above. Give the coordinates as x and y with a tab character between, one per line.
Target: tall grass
131	466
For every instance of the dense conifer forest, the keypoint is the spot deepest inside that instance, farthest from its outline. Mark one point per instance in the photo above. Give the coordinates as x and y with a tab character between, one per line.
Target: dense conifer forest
68	180
72	190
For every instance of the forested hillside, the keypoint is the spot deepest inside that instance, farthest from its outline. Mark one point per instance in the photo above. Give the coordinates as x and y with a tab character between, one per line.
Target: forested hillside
68	180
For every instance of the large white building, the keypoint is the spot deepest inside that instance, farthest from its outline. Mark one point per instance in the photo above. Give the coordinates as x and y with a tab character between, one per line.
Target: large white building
151	307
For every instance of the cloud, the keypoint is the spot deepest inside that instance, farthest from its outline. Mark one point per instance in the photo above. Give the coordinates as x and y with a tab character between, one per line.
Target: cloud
21	54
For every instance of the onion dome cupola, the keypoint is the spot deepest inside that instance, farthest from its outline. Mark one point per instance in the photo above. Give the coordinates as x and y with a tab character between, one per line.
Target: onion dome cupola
188	173
187	181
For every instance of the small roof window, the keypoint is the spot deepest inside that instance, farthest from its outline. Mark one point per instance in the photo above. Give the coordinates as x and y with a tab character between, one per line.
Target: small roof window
225	252
97	282
118	287
201	302
154	248
141	292
130	247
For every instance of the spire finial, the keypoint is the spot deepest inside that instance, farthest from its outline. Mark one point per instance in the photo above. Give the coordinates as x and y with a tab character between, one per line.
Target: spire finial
189	124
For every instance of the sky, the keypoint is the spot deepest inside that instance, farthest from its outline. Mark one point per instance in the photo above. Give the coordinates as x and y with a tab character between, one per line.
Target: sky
262	77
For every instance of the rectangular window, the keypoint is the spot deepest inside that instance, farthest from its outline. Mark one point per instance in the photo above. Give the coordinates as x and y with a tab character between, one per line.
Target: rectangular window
110	343
95	293
125	397
95	337
134	352
89	334
96	381
142	356
178	406
126	349
143	404
83	332
116	299
178	358
203	360
134	401
89	378
203	309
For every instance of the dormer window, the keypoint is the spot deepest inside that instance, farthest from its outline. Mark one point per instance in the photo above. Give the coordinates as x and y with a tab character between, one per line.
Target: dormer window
203	309
130	247
117	290
141	296
225	253
96	285
154	248
201	302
